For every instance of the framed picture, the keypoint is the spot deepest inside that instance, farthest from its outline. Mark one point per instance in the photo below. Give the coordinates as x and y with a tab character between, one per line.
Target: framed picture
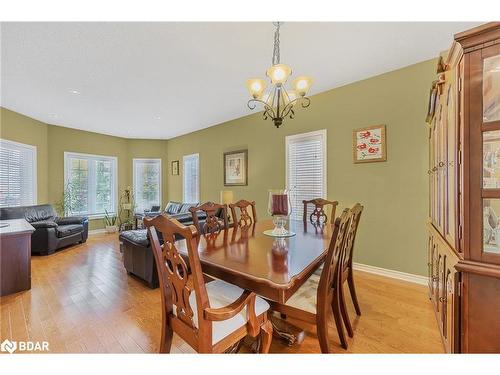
368	144
175	168
236	168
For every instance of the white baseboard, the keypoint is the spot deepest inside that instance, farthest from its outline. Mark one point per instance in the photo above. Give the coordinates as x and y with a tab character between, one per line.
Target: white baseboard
96	231
417	279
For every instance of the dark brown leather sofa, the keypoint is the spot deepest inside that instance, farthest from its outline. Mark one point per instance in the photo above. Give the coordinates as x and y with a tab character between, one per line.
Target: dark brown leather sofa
51	232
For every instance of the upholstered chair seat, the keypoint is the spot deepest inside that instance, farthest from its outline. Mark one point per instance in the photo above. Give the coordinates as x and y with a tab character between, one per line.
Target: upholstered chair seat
305	297
222	294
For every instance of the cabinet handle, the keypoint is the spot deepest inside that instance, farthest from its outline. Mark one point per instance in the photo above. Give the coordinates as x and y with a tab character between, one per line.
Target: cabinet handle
434	169
429	171
442	299
441	164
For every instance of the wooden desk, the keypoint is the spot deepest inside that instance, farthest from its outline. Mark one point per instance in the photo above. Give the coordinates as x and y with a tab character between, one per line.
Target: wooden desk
274	268
15	256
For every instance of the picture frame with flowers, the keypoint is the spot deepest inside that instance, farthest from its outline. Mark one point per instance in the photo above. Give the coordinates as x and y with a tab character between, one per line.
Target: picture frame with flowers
369	144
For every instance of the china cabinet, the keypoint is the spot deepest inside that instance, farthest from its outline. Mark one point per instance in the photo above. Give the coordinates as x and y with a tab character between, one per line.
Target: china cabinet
464	185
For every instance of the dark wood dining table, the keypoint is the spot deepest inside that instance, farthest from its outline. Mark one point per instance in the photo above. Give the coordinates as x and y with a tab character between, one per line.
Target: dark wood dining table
272	267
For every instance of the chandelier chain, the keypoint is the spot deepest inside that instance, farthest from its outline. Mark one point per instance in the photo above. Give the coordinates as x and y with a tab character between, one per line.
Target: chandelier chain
276	50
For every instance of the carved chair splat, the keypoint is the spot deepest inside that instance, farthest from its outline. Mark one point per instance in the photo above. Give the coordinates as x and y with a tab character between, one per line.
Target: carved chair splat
318	215
244	220
213	223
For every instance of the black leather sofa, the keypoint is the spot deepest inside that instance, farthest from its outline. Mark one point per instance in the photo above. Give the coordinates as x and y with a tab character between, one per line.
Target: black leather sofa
138	258
51	232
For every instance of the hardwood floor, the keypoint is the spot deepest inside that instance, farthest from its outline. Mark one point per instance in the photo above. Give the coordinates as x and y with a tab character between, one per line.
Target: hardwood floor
82	300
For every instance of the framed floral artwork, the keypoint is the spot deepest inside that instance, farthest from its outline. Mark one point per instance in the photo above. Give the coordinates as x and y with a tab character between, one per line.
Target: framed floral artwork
369	144
236	168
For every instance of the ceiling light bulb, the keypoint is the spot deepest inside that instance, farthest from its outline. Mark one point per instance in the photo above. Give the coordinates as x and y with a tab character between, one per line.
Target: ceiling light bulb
279	73
302	84
256	87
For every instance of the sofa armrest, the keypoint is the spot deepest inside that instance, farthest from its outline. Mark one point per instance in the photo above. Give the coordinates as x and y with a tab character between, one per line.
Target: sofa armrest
44	224
71	220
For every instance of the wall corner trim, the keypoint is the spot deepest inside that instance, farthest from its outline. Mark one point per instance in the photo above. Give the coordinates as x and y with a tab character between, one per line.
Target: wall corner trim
416	279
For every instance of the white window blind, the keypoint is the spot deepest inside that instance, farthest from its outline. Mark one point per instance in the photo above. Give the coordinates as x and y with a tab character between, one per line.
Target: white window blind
306	168
147	183
17	174
191	185
90	184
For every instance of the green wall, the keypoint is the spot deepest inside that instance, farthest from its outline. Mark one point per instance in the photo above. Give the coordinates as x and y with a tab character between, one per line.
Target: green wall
52	141
394	193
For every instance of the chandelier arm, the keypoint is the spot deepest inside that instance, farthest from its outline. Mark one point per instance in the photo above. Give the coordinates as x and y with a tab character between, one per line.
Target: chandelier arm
289	108
269	111
305	102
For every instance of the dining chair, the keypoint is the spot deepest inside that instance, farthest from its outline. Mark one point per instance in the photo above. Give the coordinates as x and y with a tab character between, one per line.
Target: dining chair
346	271
245	220
319	297
318	215
211	317
213	222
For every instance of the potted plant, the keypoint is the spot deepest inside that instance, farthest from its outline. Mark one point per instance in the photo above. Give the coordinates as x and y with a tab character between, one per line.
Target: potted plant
110	221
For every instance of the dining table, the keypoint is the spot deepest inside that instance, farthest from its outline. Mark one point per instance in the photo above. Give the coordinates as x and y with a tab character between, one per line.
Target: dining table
272	267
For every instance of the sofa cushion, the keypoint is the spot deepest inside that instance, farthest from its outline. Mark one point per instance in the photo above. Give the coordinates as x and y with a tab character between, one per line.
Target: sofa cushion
44	224
138	237
68	230
30	213
186	206
71	220
173	207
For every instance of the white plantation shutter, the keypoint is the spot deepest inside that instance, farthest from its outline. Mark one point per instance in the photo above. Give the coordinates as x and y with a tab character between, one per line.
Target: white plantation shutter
147	183
306	168
191	186
17	174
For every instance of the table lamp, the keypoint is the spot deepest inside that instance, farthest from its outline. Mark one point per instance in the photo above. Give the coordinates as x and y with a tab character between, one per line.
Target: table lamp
226	197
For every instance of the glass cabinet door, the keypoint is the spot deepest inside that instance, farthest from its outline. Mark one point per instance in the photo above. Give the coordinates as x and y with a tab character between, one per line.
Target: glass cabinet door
490	130
491	89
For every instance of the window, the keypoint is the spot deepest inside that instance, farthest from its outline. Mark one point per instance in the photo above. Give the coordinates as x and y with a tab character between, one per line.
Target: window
147	183
305	168
191	186
90	184
17	174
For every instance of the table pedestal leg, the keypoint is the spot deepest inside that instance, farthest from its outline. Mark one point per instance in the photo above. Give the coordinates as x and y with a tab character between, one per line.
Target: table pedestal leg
283	330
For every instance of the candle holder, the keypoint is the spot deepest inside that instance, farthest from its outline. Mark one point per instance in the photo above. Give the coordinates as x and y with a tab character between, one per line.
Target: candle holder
280	208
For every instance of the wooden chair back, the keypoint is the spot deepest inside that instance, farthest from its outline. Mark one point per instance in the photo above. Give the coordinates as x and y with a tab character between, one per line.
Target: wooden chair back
178	280
318	215
244	220
355	213
329	278
212	222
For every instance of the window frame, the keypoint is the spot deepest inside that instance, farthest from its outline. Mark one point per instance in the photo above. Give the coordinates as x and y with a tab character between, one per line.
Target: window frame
34	149
294	137
160	177
184	158
114	179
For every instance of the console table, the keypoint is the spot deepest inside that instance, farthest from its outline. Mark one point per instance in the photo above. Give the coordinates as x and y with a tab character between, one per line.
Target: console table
15	256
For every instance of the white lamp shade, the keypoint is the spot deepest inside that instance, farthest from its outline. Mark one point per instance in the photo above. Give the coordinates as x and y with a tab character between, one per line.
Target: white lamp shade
279	73
226	196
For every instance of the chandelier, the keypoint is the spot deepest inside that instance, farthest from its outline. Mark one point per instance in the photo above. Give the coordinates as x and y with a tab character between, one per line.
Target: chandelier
278	102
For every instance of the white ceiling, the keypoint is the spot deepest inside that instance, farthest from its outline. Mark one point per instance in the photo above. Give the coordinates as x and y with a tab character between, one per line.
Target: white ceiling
161	80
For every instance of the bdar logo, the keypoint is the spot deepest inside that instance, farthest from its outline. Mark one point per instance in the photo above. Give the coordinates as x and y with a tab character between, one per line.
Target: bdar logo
8	346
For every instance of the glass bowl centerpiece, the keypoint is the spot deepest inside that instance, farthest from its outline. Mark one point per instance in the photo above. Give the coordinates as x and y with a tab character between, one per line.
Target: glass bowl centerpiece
280	208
